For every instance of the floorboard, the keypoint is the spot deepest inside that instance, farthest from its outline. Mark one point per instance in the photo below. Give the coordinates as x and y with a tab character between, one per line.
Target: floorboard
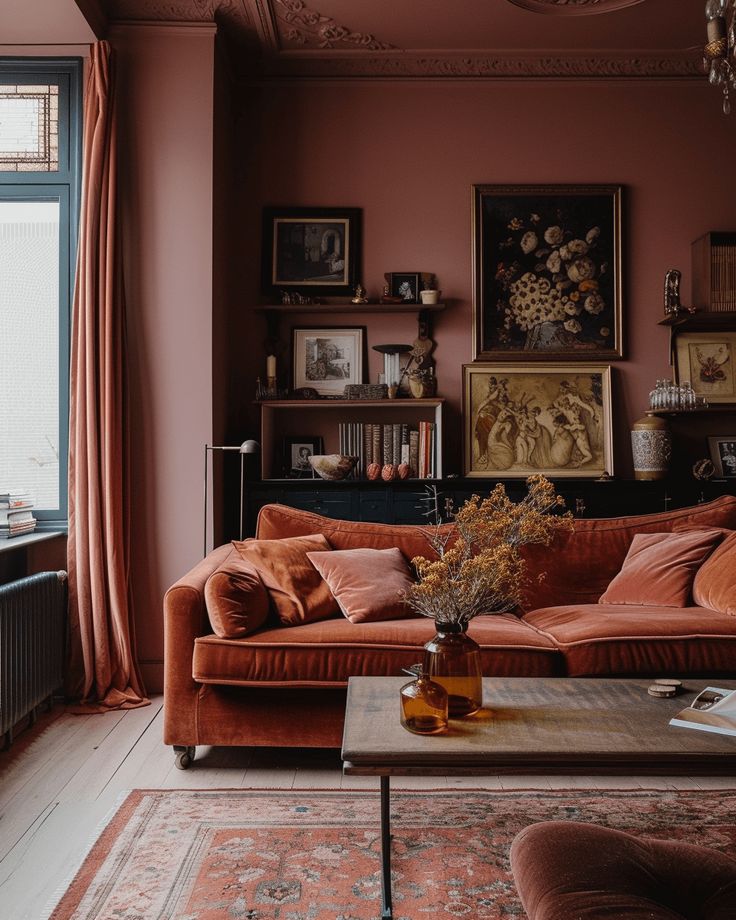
63	776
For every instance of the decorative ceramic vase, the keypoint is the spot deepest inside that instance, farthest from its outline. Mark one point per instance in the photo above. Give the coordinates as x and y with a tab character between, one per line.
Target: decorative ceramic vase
424	706
430	296
452	659
651	445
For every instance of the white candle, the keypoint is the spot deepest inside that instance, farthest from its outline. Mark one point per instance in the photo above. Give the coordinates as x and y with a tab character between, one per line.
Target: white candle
271	366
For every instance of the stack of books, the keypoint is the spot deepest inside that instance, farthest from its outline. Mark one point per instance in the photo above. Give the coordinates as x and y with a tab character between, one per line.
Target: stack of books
16	516
391	444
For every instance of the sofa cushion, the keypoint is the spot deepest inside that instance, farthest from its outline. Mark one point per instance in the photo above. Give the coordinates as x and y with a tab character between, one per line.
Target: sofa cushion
326	654
659	568
625	641
715	581
298	592
237	601
578	566
368	584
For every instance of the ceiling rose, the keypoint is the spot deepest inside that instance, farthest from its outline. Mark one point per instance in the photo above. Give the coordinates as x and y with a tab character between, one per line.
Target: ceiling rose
573	7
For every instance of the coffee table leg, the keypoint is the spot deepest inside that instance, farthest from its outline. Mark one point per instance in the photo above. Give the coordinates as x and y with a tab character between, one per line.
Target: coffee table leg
386	906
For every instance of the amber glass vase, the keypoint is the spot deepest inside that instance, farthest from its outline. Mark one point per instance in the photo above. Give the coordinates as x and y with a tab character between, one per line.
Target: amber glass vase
452	659
424	706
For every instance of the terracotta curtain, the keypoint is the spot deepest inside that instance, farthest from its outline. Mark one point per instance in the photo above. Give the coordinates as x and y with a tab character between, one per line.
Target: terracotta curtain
102	670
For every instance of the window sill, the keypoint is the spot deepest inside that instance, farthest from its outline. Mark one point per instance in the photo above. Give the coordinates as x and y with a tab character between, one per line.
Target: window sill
21	542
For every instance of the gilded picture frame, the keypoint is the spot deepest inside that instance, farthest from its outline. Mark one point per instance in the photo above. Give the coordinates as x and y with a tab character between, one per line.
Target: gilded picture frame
708	361
547	271
553	419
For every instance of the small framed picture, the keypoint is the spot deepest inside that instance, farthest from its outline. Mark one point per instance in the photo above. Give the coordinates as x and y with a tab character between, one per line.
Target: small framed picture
298	450
706	359
311	251
406	285
326	359
723	455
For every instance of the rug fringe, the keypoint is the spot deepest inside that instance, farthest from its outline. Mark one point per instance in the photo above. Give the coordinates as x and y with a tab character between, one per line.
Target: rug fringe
61	889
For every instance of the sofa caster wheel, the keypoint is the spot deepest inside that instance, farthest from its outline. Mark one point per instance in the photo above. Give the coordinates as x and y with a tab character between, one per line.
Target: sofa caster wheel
183	756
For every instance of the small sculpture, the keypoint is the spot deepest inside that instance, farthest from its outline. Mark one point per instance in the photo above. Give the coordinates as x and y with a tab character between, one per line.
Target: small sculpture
359	295
388	473
404	470
703	470
672	304
373	471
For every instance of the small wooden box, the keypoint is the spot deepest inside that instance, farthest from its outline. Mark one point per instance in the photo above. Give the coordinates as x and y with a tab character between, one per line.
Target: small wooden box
714	272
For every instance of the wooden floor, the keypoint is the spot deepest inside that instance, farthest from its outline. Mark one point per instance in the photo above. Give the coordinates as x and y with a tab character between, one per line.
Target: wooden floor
61	779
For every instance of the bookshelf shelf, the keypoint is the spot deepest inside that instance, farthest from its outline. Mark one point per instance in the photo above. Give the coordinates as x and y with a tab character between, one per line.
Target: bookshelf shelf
294	418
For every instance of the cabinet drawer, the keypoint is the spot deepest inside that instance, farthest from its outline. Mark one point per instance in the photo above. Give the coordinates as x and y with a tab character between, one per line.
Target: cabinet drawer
327	503
374	507
410	509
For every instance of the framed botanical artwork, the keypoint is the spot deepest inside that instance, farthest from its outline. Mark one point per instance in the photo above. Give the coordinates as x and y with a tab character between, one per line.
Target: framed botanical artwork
547	272
328	358
553	419
314	251
723	454
297	451
406	285
706	359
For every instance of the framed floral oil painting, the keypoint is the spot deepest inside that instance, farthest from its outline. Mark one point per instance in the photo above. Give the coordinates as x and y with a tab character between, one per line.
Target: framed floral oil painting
547	270
553	419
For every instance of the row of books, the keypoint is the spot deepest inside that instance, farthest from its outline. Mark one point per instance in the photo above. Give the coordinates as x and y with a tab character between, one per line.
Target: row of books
392	445
16	514
723	277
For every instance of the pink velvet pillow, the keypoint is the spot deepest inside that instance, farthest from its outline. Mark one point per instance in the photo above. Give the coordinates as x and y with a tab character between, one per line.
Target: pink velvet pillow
367	584
659	568
297	592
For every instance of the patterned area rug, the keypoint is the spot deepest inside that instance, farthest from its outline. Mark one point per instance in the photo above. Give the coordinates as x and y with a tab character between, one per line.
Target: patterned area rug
315	855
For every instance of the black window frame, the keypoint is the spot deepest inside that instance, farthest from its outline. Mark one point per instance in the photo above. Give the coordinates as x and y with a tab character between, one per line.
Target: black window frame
63	185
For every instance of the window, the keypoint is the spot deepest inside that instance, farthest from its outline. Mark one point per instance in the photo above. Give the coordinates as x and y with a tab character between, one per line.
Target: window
40	171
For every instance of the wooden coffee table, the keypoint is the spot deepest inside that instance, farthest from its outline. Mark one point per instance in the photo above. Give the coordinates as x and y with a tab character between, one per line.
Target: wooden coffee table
529	725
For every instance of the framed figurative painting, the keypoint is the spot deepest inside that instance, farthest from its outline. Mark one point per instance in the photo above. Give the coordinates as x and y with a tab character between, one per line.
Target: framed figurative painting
326	359
723	454
706	359
314	251
553	419
547	272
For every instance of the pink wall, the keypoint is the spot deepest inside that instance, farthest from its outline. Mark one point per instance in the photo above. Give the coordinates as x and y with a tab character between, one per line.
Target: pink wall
166	185
407	153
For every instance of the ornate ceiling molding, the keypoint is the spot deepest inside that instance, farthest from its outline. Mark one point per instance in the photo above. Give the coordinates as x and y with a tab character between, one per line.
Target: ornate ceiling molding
232	13
408	65
309	28
573	7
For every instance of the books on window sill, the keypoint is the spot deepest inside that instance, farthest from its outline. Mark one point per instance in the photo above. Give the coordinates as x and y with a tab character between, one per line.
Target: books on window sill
16	519
15	499
712	710
391	444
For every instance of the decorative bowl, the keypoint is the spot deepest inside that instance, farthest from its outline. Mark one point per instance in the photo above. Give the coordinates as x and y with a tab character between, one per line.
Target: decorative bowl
332	466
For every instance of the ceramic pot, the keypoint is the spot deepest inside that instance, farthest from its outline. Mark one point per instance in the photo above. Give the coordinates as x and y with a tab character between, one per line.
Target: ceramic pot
651	446
430	296
452	659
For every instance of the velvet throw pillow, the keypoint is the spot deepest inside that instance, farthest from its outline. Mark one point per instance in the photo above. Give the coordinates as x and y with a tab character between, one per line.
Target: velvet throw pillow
298	592
237	601
367	584
715	583
659	568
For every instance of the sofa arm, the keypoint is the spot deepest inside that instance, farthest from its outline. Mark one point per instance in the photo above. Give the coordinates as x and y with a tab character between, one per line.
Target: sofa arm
185	618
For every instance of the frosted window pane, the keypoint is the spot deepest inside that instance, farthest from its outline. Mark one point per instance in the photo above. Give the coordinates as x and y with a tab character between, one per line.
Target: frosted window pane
29	349
29	128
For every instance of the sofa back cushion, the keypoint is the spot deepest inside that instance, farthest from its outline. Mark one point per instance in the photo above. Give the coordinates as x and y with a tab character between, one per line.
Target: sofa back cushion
715	581
236	598
659	568
298	592
576	568
368	584
275	521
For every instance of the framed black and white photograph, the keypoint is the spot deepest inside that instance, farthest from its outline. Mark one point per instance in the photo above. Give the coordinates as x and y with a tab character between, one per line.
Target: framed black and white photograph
313	251
298	450
406	285
723	455
548	276
327	359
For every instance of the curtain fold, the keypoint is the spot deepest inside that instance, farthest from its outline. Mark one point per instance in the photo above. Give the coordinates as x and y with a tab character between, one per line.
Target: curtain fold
102	671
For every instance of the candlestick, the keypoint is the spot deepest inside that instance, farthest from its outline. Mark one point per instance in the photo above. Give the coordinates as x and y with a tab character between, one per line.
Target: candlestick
271	366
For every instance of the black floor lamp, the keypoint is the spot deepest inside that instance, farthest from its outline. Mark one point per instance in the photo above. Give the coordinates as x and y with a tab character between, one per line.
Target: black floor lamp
247	447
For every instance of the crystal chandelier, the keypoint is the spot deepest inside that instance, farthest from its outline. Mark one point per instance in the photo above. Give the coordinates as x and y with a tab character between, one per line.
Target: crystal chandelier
720	50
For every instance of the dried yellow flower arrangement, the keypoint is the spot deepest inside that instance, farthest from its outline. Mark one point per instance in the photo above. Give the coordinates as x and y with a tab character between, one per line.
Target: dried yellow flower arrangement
478	566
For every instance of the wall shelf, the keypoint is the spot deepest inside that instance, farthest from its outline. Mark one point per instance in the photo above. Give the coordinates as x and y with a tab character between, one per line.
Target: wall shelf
700	321
347	307
703	410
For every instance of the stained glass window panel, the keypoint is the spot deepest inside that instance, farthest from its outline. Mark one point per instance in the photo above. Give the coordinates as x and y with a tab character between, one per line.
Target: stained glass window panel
29	348
29	128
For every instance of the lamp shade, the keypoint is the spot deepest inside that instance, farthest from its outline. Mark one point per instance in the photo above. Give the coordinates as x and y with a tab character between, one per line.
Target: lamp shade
250	447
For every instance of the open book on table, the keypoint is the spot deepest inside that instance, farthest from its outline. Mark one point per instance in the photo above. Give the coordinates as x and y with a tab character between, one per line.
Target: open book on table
712	710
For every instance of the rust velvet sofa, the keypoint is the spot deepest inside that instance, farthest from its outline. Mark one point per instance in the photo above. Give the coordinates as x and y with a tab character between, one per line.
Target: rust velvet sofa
285	685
